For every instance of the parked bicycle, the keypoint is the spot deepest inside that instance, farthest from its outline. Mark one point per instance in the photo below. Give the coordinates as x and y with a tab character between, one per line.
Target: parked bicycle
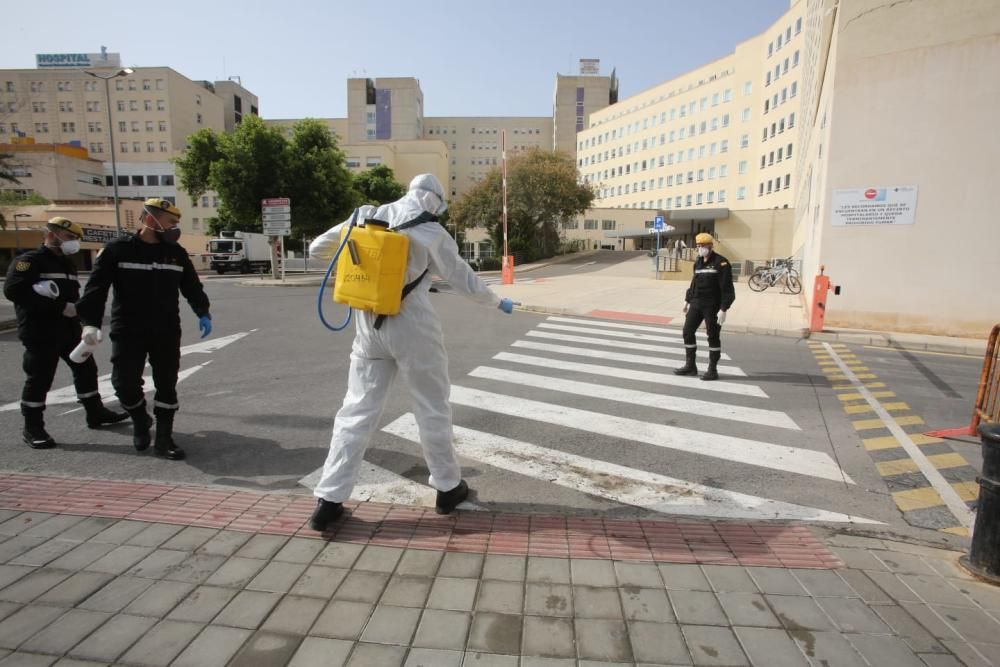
781	272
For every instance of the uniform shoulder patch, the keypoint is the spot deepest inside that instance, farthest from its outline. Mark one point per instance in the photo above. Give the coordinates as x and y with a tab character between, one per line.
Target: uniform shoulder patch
723	263
22	265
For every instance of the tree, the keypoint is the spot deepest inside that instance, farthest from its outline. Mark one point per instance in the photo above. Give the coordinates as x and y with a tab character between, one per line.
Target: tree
543	191
11	201
7	169
378	185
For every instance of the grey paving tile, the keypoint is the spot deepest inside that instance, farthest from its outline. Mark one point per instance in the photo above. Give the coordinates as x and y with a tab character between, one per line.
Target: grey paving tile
378	559
236	572
339	554
225	543
940	660
592	572
596	602
25	659
985	595
505	568
496	633
65	632
391	625
117	594
113	638
294	615
970	656
407	591
538	661
503	597
154	535
859	559
11	573
8	608
33	584
461	565
646	604
893	586
548	570
23	521
277	577
419	563
480	659
852	615
159	599
906	628
262	546
82	555
73	662
660	643
974	625
190	538
157	564
869	591
45	553
319	581
827	648
903	563
602	639
548	599
53	526
443	629
433	657
729	579
929	620
203	604
640	575
453	593
15	546
342	619
377	655
799	613
299	550
119	559
362	586
824	583
162	643
321	651
248	609
216	645
934	589
697	608
683	577
713	646
75	589
748	609
770	647
195	569
86	529
884	650
120	532
264	649
547	636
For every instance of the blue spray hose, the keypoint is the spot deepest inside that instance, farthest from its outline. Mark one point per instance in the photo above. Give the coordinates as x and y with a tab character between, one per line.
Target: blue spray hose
326	278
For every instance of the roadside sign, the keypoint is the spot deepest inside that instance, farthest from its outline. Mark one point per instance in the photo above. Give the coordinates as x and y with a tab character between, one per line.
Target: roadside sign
278	228
275	217
658	222
276	209
278	201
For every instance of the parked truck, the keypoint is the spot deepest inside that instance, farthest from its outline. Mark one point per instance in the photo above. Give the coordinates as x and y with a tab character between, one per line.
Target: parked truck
245	252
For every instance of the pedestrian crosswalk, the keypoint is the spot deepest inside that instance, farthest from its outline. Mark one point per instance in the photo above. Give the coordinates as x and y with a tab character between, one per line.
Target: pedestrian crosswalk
591	406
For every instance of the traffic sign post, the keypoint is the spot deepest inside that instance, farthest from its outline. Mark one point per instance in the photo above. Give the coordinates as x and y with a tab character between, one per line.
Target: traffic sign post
276	221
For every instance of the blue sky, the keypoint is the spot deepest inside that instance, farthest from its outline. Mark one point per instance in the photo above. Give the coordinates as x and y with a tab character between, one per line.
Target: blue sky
473	57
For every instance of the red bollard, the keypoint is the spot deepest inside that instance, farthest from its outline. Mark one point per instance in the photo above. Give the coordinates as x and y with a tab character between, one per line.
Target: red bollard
507	270
821	289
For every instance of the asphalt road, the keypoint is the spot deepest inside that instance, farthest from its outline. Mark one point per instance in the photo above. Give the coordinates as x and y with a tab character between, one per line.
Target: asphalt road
552	415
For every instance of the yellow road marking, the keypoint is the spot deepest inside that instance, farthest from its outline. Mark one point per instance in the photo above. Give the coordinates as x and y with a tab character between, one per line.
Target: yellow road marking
861	409
902	466
967	491
957	530
889	441
860	376
858	397
865	424
870	385
917	499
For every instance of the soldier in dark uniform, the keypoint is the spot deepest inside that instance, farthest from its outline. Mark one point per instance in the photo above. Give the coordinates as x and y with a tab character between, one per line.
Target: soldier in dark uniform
708	298
42	284
147	270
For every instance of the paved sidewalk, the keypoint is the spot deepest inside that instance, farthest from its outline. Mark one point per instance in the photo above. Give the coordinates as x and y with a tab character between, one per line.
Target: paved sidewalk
99	572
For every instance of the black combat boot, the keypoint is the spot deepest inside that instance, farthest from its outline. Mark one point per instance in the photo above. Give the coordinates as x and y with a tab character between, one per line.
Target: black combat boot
326	513
449	500
98	415
141	421
689	368
713	361
164	445
34	434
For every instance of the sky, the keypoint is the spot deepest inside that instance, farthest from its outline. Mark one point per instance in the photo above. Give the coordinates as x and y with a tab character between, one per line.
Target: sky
472	57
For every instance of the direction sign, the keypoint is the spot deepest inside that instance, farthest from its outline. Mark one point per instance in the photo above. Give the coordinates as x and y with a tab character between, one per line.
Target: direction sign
276	209
277	229
275	217
278	201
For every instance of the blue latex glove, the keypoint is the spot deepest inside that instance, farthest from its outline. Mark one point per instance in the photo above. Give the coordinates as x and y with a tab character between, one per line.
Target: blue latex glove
506	305
205	325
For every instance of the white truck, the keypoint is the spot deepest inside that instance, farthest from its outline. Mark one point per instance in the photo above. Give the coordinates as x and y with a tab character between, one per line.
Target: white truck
245	252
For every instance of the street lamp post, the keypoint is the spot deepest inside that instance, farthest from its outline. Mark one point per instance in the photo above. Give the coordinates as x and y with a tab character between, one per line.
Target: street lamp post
17	242
111	131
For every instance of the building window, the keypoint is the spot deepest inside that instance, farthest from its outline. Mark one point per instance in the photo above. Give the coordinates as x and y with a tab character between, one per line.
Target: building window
722	196
161	105
163	149
795	59
133	105
590	224
123	147
150	147
168	179
159	84
745	141
724	146
146	84
742	167
163	126
121	105
122	126
149	126
138	180
131	84
745	116
135	126
788	151
741	192
788	181
119	85
136	147
791	120
153	180
607	225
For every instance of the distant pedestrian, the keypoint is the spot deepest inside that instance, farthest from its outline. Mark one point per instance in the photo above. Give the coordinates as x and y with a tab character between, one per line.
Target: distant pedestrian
707	299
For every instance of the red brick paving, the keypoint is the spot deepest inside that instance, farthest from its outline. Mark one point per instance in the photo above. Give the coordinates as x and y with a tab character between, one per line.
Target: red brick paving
667	541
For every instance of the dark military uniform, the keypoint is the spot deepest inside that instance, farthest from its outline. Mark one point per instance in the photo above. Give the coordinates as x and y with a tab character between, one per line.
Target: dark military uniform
711	290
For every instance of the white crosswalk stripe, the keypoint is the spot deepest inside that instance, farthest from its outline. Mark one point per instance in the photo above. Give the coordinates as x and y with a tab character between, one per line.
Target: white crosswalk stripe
614	356
672	338
621	345
609	324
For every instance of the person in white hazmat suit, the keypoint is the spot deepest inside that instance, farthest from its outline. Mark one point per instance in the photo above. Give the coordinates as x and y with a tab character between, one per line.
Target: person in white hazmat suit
410	343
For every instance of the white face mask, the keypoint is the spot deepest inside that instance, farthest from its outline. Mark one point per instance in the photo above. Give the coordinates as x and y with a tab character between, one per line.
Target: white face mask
703	251
70	247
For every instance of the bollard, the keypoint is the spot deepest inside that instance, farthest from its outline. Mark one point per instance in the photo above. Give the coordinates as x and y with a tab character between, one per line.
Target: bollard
984	554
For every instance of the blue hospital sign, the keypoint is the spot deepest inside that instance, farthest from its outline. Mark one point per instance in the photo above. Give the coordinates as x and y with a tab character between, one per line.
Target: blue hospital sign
658	222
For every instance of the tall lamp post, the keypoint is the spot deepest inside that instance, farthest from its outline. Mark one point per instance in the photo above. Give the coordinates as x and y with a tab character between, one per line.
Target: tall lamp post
17	242
111	131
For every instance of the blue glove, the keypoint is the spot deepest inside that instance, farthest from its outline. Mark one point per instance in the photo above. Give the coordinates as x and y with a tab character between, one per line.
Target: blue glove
205	324
506	305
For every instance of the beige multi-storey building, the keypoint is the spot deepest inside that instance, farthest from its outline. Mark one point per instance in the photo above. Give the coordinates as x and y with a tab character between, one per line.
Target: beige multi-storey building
575	98
63	169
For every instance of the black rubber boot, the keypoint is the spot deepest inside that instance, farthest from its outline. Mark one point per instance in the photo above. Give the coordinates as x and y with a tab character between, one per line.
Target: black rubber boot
34	433
326	513
449	500
164	445
98	415
141	421
690	368
713	361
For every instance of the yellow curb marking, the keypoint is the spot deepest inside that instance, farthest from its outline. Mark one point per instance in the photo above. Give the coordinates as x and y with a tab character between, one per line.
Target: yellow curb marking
890	441
865	424
917	499
957	530
857	397
861	409
903	466
869	385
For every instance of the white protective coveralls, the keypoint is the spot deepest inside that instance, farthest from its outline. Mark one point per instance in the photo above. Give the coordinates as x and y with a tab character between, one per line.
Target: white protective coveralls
410	343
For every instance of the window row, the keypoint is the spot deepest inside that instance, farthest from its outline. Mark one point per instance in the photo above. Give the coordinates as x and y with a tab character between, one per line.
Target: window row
768	159
788	92
137	147
151	126
781	69
778	127
147	105
153	179
774	185
783	38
